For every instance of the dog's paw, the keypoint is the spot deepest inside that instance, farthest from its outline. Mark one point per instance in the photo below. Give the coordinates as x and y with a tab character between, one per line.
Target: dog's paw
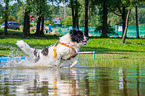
21	44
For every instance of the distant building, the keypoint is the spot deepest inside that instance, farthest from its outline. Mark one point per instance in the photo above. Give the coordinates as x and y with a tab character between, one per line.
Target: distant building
56	21
57	16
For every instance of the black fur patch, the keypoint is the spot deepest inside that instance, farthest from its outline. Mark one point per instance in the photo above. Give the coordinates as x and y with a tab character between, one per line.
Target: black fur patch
36	53
37	58
45	51
77	35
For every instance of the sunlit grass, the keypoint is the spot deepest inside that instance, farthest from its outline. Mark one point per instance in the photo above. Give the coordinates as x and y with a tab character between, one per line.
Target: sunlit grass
108	51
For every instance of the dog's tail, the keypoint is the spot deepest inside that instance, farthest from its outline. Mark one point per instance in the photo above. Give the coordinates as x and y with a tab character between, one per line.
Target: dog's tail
25	47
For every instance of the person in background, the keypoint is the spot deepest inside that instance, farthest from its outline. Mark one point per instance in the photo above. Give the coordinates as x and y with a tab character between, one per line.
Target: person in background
49	28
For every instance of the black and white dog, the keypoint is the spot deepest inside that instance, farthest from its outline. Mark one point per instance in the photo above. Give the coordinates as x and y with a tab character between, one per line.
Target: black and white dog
62	54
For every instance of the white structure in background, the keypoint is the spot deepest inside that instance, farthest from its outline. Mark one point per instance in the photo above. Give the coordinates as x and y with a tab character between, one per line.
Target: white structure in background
11	2
56	21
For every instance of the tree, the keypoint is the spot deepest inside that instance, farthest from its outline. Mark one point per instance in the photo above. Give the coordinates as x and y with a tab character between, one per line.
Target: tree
126	26
20	15
42	10
74	5
1	10
86	17
6	16
26	28
136	15
39	5
105	12
14	8
92	14
129	5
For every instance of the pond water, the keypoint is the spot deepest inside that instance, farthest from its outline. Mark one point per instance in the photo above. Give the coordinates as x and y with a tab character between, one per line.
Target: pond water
79	81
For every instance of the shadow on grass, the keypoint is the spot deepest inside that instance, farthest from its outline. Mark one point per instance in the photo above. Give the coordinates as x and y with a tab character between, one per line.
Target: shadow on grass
4	48
18	34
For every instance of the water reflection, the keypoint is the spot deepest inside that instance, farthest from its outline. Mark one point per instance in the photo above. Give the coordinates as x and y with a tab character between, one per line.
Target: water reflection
78	81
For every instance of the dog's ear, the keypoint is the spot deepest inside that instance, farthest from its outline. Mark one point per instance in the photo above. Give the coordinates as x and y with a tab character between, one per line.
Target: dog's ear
73	32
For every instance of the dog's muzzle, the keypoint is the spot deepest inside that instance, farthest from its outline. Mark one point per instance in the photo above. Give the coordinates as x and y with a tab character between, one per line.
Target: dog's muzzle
85	39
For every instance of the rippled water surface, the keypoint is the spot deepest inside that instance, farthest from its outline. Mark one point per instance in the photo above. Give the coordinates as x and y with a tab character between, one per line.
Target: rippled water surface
81	81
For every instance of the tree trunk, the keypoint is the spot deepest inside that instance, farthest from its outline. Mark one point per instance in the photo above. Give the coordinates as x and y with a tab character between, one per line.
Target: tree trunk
123	19
42	25
104	30
76	15
136	13
73	14
6	17
126	26
86	17
26	29
38	27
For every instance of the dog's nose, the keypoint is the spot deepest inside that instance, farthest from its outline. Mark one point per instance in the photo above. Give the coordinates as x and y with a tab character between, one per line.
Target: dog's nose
86	38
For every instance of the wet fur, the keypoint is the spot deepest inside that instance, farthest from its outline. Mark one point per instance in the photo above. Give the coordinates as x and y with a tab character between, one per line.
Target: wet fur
75	39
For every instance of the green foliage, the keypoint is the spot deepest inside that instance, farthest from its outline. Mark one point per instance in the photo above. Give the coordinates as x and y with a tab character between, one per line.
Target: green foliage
14	9
141	16
49	22
68	21
115	19
31	25
62	21
1	10
11	18
110	30
20	15
1	21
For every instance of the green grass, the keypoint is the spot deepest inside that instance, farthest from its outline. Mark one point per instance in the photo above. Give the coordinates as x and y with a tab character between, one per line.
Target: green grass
109	51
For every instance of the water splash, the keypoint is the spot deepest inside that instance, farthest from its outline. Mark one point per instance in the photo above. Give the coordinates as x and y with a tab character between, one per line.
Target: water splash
15	61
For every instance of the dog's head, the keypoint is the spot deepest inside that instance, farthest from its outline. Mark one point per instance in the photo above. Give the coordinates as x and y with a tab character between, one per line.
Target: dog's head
78	36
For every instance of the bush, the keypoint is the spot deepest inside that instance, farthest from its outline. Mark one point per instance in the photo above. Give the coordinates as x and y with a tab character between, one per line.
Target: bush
1	21
12	18
31	25
68	21
49	22
62	22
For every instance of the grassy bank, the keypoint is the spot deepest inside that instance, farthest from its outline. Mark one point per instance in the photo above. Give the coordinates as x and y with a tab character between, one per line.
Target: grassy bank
109	51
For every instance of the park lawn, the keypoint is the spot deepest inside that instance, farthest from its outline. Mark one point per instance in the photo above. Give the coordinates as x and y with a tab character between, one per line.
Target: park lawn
109	51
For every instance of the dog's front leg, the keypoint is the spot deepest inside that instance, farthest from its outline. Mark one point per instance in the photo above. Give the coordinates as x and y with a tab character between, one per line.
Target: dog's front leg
58	61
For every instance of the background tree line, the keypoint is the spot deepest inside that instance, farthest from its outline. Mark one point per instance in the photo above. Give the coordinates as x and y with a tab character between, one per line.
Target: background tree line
101	14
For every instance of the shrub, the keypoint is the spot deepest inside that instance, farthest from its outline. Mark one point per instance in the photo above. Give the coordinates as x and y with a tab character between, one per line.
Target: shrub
1	21
68	21
49	22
